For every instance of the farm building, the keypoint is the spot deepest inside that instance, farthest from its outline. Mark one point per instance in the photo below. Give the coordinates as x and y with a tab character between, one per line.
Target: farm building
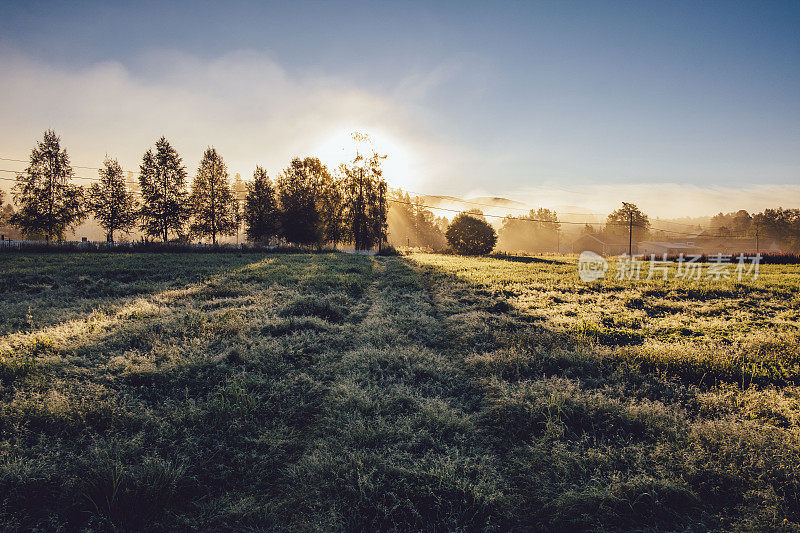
664	247
732	245
601	244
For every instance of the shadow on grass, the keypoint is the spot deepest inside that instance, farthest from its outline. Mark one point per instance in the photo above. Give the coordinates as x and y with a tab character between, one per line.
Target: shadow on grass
347	392
598	430
527	259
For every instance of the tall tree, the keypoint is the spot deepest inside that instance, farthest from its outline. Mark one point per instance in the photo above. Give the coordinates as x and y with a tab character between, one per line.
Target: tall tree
365	200
260	209
110	200
162	178
239	194
297	186
412	224
214	208
48	204
535	232
331	206
628	217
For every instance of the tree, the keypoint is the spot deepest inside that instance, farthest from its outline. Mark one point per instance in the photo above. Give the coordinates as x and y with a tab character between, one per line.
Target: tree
782	225
535	232
331	206
239	194
376	204
469	235
365	198
48	203
410	223
734	224
296	188
214	208
162	178
260	211
628	217
110	201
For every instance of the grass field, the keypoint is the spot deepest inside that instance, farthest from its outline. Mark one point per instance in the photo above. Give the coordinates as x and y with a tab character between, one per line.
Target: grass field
341	392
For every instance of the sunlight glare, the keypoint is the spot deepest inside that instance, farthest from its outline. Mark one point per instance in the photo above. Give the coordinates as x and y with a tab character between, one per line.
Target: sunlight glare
340	147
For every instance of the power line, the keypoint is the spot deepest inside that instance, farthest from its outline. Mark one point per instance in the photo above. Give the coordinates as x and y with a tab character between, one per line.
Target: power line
73	166
528	219
446	198
496	216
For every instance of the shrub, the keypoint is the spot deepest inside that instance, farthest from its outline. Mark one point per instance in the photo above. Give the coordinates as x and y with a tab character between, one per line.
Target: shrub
469	235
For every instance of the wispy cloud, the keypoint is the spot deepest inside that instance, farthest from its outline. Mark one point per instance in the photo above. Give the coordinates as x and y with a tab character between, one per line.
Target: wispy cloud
256	111
245	103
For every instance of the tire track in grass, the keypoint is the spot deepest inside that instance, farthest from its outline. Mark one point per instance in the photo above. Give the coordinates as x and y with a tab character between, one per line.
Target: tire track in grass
397	446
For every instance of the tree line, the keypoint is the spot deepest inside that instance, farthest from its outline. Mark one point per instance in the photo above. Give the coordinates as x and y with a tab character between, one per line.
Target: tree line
306	204
782	225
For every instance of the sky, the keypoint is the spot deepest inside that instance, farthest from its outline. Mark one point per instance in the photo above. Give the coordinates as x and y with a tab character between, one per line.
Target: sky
686	108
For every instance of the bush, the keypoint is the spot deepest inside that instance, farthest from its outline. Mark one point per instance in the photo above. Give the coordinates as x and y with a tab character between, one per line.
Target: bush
469	235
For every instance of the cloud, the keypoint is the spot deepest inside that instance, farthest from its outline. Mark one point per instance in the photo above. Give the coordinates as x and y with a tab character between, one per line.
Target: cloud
244	103
256	111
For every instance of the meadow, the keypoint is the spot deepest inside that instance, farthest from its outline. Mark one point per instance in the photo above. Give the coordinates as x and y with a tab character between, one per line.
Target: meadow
419	392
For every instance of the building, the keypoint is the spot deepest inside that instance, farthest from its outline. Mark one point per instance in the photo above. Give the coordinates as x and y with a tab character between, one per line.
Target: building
601	244
666	247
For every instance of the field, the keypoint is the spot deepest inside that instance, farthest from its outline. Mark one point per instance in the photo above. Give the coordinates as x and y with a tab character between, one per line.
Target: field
342	392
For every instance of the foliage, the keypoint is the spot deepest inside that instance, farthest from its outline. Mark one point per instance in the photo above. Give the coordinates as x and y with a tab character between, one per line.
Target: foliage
469	235
331	205
781	225
110	201
260	211
626	220
412	224
165	207
47	203
539	233
365	197
296	188
214	208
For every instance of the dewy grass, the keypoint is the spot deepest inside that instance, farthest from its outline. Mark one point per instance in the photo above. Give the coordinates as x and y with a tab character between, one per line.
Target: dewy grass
422	392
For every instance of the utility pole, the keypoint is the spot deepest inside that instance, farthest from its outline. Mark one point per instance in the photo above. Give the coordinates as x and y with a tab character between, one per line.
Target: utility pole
756	240
558	241
630	233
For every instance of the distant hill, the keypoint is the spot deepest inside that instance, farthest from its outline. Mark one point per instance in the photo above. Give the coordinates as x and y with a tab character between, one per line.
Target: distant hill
487	204
497	201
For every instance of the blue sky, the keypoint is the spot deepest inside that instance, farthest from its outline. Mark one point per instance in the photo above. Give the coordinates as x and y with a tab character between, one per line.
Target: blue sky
473	98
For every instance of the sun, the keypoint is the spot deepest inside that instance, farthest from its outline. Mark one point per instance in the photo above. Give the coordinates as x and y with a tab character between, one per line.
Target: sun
340	147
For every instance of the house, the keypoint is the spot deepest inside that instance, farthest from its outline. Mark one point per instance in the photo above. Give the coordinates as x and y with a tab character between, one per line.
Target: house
736	245
664	247
601	244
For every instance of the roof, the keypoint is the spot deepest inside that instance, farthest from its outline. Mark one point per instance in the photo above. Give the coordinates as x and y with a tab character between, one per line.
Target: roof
674	245
603	239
